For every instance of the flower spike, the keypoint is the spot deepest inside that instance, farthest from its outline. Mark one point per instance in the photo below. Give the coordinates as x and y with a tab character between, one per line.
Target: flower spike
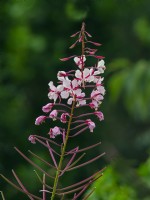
79	87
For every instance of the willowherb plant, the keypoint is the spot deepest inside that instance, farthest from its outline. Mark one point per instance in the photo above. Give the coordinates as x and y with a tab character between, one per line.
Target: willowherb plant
78	88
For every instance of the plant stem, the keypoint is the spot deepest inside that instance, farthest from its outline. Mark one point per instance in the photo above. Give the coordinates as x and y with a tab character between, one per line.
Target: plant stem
63	152
83	44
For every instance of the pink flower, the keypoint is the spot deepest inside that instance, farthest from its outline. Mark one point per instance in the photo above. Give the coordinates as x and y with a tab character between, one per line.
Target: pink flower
86	75
39	120
70	88
94	104
96	95
54	91
90	124
61	75
78	95
53	114
47	108
101	66
80	102
31	138
101	89
63	117
78	61
99	115
70	85
54	132
99	86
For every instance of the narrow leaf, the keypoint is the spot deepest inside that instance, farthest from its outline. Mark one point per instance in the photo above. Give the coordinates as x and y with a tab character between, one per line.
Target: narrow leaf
46	146
86	163
52	155
3	198
76	161
44	193
21	185
18	188
90	147
70	161
79	132
83	181
32	163
33	154
63	197
88	195
42	181
84	188
51	141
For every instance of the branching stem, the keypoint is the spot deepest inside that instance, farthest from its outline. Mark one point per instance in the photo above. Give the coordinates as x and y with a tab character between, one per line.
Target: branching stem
63	153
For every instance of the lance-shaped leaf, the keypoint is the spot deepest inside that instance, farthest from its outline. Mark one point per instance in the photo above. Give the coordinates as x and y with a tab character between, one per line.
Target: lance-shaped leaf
32	163
74	190
45	144
83	181
18	188
88	195
76	127
70	161
21	184
82	188
3	198
46	139
88	148
86	163
84	149
86	186
76	161
41	159
44	193
79	132
41	181
63	197
52	155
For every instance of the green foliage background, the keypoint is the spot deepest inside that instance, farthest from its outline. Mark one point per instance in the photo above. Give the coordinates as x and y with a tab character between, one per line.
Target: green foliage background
34	34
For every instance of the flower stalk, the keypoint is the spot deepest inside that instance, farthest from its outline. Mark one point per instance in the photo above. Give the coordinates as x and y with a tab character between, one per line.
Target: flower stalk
76	89
62	153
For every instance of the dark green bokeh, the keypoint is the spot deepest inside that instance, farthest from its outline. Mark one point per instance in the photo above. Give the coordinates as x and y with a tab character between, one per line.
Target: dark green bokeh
34	34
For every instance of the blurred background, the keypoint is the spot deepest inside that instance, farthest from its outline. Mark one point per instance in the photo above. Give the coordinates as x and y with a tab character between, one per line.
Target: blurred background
34	34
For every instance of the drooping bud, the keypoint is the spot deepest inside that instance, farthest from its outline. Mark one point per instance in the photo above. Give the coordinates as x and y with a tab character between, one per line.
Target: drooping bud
39	120
90	124
63	117
53	115
47	108
31	138
100	115
54	132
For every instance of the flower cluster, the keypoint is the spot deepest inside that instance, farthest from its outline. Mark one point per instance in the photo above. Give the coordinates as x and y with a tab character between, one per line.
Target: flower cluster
73	86
81	87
